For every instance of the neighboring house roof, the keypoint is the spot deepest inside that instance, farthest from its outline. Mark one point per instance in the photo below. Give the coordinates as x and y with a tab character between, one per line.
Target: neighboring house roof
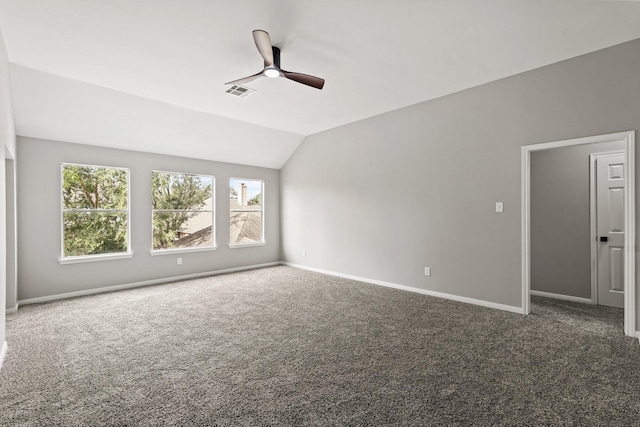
198	239
233	204
246	227
201	220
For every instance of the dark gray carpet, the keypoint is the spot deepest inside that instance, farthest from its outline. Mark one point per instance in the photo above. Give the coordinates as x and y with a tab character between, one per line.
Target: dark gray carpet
281	346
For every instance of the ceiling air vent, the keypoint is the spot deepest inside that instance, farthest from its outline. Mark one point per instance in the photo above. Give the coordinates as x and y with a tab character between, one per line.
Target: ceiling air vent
240	91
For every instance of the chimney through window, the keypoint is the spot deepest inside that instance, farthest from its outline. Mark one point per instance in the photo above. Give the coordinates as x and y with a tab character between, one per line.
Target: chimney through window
243	195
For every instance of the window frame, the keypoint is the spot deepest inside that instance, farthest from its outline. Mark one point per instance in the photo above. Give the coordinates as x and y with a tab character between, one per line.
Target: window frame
94	257
263	241
169	251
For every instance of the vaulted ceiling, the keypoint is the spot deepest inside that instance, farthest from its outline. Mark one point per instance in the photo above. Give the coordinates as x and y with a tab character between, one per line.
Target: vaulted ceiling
149	75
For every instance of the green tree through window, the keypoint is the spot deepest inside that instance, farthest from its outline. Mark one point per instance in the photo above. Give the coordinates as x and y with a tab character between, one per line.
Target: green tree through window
182	210
95	210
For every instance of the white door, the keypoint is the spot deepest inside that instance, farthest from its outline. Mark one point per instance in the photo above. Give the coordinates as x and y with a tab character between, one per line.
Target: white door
610	229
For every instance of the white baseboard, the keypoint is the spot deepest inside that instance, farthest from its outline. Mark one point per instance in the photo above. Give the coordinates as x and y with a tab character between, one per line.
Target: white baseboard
473	301
3	352
638	335
12	310
562	297
140	284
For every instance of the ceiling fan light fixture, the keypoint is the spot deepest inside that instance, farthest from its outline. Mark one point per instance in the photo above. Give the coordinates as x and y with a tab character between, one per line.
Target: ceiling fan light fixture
271	72
271	56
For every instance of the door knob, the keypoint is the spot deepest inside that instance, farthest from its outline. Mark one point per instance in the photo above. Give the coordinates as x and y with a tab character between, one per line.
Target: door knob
604	239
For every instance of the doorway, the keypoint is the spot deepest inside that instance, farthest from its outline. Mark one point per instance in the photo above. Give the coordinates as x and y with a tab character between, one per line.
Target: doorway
10	250
628	250
607	228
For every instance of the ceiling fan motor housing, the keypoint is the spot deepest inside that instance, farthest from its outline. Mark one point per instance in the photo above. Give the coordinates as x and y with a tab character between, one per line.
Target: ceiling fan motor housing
276	56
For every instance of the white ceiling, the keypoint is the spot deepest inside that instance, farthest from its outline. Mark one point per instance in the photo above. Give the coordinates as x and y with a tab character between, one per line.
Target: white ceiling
148	74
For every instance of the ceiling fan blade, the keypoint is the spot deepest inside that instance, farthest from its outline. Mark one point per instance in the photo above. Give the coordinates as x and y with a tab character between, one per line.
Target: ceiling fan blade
245	79
263	43
305	79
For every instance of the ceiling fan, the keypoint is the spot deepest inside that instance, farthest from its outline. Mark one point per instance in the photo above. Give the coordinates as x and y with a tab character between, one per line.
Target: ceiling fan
271	56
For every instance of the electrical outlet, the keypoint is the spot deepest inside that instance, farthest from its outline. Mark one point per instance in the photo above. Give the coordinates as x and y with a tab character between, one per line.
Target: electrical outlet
179	261
304	252
427	271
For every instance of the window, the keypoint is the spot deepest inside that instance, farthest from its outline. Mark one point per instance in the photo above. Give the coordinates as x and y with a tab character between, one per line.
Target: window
95	210
182	210
246	211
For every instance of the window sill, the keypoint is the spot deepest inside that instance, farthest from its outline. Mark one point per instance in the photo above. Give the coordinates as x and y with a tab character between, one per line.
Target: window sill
181	251
246	245
95	258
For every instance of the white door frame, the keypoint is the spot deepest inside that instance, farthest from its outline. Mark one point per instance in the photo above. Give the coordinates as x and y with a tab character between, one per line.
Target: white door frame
629	220
593	209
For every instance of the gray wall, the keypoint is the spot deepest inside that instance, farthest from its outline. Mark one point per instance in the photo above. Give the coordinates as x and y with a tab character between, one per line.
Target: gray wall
7	147
560	225
384	197
39	210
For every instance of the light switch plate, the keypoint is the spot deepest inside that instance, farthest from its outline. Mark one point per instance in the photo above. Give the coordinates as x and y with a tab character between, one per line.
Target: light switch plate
499	207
